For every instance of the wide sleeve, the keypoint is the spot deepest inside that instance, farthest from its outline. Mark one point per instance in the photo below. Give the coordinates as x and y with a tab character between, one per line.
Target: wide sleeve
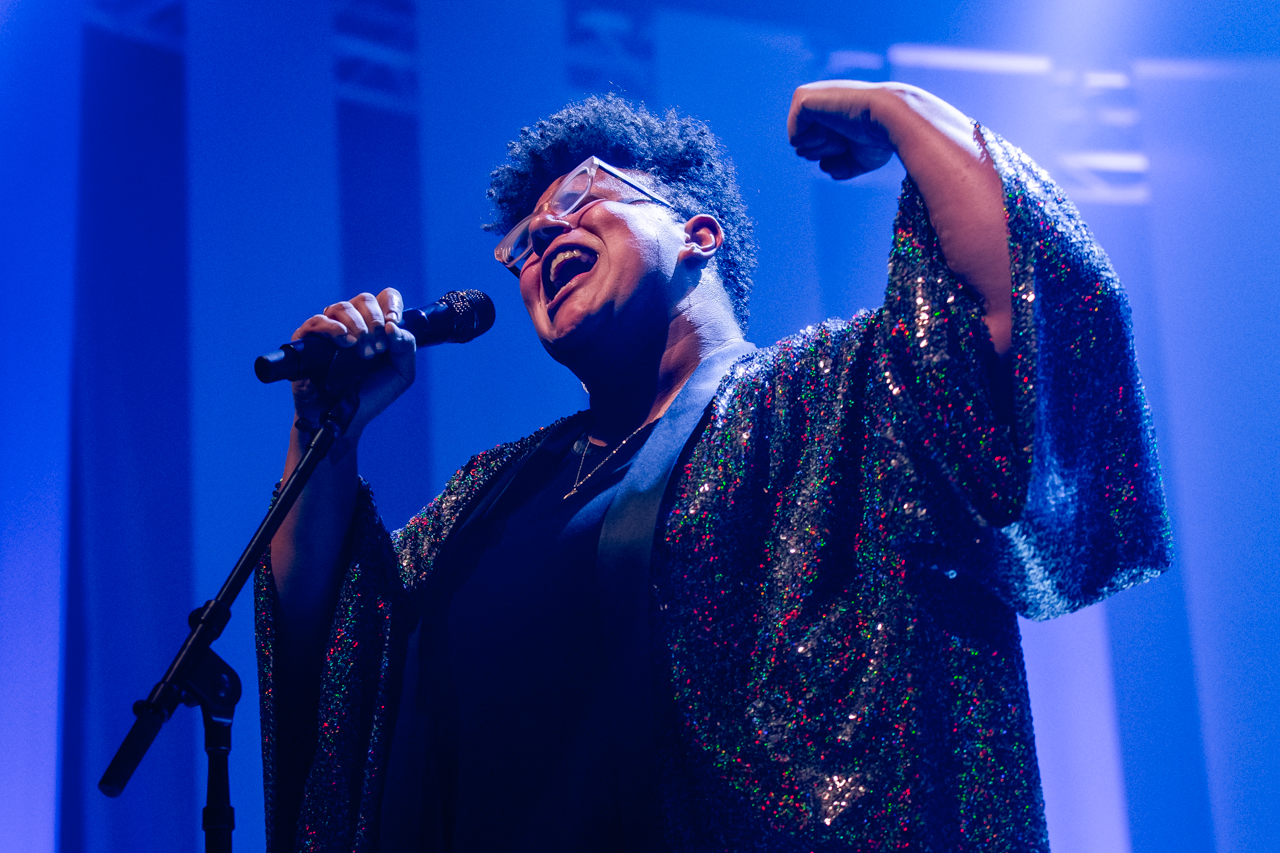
322	762
1051	496
325	757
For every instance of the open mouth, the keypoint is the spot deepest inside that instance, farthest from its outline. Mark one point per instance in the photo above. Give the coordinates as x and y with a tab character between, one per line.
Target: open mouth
565	265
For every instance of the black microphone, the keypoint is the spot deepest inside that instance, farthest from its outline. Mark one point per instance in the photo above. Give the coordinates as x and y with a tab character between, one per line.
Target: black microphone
455	318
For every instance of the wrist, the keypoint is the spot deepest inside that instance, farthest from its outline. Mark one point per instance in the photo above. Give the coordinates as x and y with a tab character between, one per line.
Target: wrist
341	454
303	430
916	119
900	111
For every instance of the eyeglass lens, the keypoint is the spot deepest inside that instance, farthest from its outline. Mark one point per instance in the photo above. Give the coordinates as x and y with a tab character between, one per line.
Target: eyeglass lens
565	201
571	192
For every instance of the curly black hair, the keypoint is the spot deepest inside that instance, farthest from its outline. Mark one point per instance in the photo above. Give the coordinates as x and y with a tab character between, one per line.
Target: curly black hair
681	154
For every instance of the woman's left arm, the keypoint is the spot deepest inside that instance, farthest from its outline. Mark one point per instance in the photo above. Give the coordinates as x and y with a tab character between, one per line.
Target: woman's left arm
851	128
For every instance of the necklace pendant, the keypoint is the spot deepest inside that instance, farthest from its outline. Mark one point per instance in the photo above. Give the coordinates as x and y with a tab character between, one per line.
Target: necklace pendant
570	494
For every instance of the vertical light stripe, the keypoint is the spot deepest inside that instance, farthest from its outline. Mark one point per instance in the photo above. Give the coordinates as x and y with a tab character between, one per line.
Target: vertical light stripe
264	256
1073	707
39	130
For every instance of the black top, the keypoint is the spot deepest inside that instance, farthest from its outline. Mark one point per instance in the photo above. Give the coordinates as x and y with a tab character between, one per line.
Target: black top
522	721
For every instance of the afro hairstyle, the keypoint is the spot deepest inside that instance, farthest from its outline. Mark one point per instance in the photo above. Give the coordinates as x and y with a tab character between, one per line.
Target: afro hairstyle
681	154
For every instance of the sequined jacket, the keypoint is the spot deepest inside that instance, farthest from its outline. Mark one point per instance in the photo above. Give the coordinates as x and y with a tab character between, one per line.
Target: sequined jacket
836	577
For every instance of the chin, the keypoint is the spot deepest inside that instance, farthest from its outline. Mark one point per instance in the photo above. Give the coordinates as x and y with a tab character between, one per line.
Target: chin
588	350
572	347
572	330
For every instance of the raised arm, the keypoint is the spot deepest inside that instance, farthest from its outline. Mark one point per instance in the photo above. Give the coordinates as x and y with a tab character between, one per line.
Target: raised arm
852	128
305	553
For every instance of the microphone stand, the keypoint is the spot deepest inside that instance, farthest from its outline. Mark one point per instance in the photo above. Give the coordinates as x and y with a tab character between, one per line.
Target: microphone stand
197	676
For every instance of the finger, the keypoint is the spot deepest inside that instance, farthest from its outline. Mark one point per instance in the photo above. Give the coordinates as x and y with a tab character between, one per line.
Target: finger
842	167
346	314
798	124
399	340
392	304
818	137
814	132
402	363
831	147
797	119
366	305
322	325
812	117
792	129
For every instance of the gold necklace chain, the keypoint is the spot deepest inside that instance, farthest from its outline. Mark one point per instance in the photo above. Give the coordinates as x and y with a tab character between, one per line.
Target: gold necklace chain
580	481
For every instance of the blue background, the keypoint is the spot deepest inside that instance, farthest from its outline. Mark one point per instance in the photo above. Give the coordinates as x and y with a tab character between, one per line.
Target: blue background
182	183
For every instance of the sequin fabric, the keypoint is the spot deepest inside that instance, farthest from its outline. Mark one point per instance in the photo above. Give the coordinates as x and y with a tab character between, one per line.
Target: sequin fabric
836	580
364	660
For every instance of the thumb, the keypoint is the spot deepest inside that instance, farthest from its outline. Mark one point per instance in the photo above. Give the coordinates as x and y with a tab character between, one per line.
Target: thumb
399	340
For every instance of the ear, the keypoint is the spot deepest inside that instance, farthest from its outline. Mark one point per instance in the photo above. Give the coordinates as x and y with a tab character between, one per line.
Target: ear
702	239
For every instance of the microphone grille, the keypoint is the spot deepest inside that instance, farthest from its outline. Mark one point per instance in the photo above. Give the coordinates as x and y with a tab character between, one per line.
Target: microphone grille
473	313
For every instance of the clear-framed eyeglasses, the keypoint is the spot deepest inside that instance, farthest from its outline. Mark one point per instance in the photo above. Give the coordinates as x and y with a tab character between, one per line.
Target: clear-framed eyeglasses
573	193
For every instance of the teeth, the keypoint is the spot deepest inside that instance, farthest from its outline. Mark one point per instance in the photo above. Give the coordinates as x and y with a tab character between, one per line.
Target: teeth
561	257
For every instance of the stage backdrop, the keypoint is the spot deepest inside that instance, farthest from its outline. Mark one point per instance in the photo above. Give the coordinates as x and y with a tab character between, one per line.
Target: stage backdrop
181	183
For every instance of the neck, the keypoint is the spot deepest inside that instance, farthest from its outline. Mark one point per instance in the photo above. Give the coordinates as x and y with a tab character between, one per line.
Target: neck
629	394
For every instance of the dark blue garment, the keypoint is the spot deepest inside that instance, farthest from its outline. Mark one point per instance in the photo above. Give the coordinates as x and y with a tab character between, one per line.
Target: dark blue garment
520	756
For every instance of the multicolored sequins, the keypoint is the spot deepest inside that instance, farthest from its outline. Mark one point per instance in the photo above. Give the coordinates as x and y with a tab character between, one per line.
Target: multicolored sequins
835	584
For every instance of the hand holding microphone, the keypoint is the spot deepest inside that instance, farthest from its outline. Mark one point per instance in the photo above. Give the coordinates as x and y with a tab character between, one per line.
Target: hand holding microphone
368	343
457	317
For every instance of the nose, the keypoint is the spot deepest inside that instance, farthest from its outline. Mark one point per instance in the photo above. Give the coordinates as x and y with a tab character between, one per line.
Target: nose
544	228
